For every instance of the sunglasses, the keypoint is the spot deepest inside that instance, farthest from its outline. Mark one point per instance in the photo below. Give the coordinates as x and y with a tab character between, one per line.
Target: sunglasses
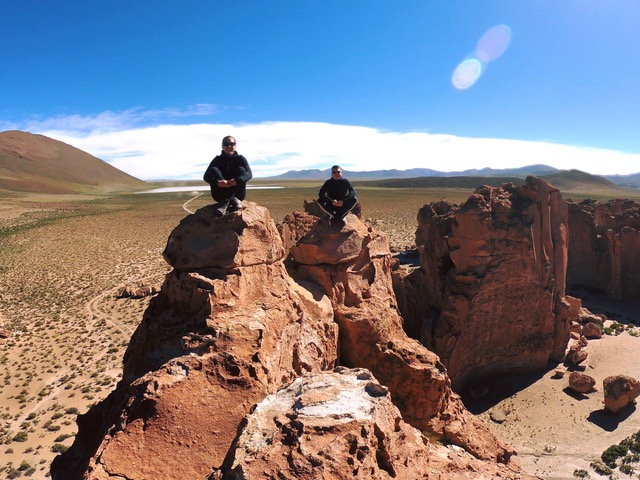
336	171
229	144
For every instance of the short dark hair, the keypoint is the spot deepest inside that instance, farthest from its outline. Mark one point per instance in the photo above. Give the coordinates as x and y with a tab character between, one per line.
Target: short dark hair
336	167
228	137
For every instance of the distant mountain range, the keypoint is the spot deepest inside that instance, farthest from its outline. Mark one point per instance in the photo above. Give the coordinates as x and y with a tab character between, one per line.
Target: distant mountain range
627	181
522	172
35	163
508	174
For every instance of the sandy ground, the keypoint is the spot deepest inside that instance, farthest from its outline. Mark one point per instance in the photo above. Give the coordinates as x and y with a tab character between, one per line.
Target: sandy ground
555	431
58	289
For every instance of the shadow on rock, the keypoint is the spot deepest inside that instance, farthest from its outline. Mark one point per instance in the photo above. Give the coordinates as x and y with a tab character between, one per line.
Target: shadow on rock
575	395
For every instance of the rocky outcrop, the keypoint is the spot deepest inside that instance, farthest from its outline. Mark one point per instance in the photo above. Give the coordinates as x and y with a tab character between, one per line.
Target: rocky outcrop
619	391
343	425
352	264
604	247
228	328
329	425
138	291
231	372
296	225
489	297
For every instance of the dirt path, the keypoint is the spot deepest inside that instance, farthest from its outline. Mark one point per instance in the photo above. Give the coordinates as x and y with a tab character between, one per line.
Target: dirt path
185	205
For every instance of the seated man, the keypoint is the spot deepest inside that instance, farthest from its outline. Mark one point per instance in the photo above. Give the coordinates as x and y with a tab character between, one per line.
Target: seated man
228	174
337	196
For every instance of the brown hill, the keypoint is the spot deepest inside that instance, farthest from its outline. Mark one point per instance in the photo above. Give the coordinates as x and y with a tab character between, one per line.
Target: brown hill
35	163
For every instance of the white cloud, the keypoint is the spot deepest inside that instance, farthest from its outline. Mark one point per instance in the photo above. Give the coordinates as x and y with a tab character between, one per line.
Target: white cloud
171	151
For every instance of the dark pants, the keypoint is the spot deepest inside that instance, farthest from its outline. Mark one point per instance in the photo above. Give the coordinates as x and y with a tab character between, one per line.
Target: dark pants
337	212
219	194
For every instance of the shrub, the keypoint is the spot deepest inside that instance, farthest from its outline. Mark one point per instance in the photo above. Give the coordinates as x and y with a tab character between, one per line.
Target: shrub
581	474
601	468
59	448
626	468
20	437
13	473
611	454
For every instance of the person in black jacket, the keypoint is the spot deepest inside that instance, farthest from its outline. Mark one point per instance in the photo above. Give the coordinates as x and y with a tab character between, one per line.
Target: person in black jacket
228	174
337	196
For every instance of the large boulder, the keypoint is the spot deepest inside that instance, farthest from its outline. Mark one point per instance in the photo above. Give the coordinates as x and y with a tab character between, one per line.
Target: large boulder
604	247
581	382
206	241
343	425
226	330
619	391
489	297
338	425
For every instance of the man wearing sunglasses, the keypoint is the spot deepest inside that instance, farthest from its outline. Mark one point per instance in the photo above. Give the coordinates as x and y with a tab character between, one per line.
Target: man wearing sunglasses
337	196
228	174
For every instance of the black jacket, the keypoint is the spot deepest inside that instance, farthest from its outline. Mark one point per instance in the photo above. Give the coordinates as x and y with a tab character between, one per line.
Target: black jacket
226	167
340	189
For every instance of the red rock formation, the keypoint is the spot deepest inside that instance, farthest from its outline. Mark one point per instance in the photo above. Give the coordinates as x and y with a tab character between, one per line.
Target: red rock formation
343	425
329	425
352	263
140	291
581	382
490	297
228	328
604	247
297	224
619	391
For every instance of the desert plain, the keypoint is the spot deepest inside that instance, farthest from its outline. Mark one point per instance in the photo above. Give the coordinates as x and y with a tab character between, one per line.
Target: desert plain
64	259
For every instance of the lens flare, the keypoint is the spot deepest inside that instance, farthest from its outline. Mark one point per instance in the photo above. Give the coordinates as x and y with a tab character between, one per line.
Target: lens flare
491	46
466	74
493	43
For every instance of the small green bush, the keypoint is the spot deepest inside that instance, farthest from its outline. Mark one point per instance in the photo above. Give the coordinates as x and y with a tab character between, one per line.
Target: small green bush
601	468
13	473
59	448
611	454
20	437
626	468
581	473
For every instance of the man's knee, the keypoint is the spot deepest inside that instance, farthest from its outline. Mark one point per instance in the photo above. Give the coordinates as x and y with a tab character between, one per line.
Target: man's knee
350	203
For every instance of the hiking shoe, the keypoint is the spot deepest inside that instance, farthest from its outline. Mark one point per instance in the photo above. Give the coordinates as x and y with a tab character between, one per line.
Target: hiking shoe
234	205
221	208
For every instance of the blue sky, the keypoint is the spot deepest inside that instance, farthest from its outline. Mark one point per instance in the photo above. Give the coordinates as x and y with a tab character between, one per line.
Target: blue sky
152	86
